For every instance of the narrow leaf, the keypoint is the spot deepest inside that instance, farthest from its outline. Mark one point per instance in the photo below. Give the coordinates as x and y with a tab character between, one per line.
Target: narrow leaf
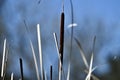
68	74
12	76
40	49
82	53
90	69
35	60
3	60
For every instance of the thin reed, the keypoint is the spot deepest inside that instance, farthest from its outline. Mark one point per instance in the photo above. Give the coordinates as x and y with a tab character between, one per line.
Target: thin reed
12	76
21	68
59	58
88	77
3	59
40	49
35	60
33	52
88	67
82	53
51	72
68	74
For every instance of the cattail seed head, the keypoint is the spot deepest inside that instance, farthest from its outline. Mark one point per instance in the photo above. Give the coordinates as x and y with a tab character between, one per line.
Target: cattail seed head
61	37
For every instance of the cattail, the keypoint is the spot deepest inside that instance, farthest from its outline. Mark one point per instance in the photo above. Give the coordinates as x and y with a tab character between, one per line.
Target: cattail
61	37
51	72
21	68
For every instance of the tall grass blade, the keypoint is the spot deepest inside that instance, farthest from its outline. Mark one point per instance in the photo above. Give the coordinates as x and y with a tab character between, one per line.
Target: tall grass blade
35	60
45	76
60	64
40	49
12	76
68	74
82	53
5	63
56	43
93	76
32	48
94	40
3	60
60	73
90	69
90	75
71	39
72	31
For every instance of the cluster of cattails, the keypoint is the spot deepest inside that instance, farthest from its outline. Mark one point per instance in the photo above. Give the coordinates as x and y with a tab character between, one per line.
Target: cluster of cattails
4	63
60	51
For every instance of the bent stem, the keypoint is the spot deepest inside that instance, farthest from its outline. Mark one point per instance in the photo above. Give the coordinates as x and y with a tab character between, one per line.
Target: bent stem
35	60
82	53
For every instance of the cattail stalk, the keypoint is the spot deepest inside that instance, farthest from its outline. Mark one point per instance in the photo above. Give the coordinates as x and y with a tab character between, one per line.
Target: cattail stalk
59	59
40	49
32	48
60	73
21	69
56	43
61	44
51	72
45	76
72	21
68	74
3	60
12	76
93	76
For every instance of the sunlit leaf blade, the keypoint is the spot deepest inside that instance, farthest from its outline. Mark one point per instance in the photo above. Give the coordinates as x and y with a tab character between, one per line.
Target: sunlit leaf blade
82	53
3	59
40	49
35	60
12	76
68	74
